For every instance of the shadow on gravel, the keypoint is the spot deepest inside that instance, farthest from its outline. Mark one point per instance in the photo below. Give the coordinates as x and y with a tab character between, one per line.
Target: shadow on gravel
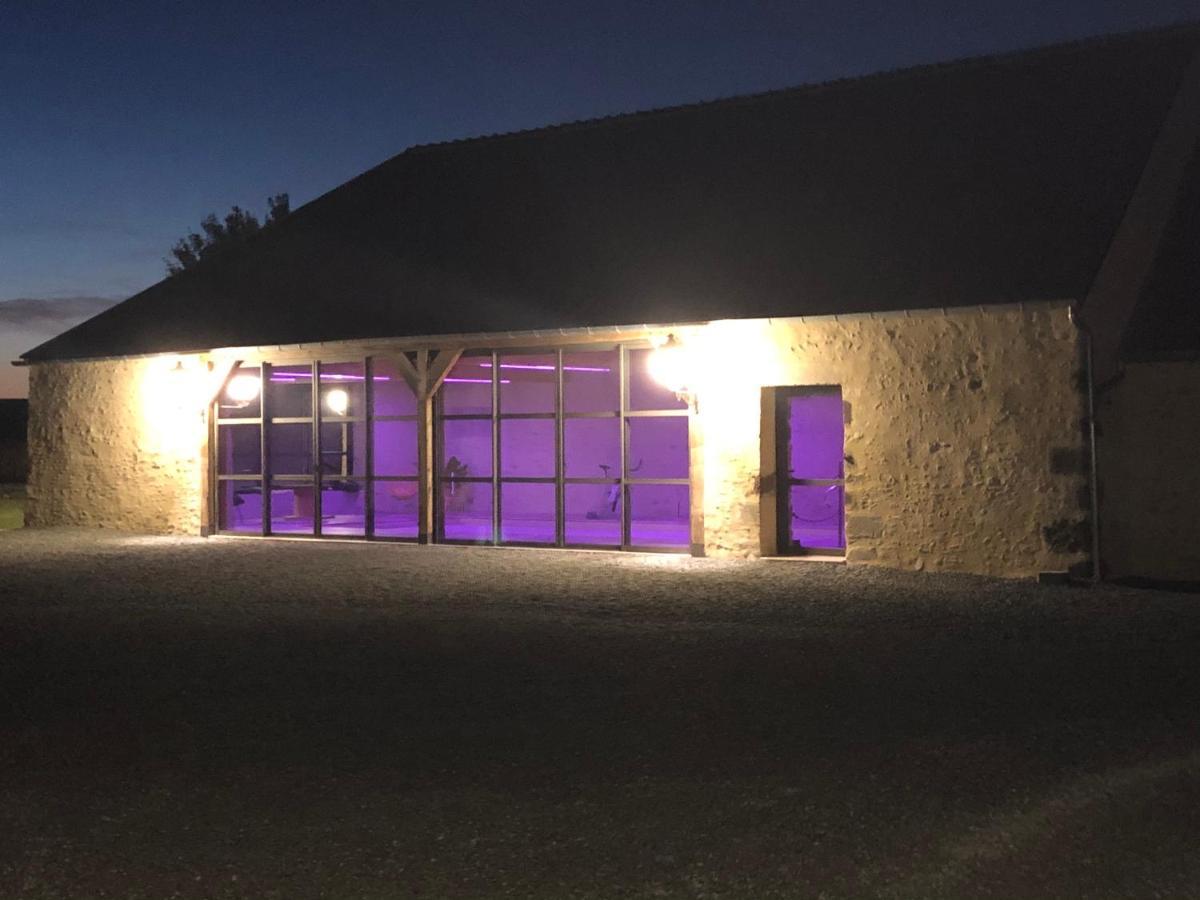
182	718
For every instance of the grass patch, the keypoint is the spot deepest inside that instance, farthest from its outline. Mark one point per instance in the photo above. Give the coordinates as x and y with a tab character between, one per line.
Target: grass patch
12	512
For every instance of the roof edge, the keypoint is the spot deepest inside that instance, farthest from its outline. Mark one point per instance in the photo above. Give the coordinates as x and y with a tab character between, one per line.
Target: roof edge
1184	27
483	338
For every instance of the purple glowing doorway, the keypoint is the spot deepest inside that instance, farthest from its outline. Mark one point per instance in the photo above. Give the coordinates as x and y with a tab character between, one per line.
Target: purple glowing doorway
811	423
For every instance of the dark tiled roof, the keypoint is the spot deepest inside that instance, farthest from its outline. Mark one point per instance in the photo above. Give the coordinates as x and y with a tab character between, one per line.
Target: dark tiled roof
993	180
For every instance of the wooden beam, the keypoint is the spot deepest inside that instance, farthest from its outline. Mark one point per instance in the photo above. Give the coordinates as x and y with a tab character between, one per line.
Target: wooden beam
408	370
440	368
423	373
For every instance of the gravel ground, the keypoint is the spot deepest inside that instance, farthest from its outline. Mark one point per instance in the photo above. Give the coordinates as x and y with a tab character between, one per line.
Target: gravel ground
225	718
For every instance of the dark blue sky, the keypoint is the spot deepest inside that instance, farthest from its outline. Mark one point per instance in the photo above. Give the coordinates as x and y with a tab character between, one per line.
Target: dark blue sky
122	124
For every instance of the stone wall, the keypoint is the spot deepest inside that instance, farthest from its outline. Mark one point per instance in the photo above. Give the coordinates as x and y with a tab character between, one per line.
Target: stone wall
117	444
964	440
964	437
1150	483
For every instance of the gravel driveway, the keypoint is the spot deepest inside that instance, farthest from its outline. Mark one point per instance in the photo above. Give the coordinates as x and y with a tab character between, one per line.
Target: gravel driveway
225	718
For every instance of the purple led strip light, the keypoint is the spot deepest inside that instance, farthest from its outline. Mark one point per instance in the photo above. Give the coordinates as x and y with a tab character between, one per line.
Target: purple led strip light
293	377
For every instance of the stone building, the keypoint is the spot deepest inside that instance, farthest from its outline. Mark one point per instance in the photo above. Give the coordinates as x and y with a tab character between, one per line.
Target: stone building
864	320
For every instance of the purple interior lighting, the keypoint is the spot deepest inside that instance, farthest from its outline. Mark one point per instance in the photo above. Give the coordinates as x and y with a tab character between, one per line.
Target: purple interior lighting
816	516
816	432
292	508
532	387
658	447
592	447
396	509
344	510
463	392
392	395
239	449
659	515
290	448
289	392
466	448
239	507
467	510
815	438
592	514
395	448
591	381
527	448
343	450
527	513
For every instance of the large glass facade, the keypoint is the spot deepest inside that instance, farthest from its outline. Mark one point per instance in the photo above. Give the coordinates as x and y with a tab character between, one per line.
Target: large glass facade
574	447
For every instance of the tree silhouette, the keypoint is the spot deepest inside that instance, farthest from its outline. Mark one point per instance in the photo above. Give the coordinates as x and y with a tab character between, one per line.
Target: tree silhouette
215	233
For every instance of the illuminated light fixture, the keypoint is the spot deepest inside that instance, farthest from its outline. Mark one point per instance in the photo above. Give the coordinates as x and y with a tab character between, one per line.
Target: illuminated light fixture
338	401
242	388
669	366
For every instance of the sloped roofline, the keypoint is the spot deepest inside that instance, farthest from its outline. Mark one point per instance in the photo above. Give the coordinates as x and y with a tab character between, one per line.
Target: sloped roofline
920	70
1189	28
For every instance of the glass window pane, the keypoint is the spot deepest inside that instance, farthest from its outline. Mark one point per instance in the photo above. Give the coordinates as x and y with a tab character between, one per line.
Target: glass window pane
241	397
239	506
289	392
239	450
292	507
343	450
467	511
816	432
466	448
659	515
396	509
467	389
591	382
527	448
593	514
644	391
527	513
816	516
393	396
343	508
343	389
528	384
592	448
395	448
290	448
658	447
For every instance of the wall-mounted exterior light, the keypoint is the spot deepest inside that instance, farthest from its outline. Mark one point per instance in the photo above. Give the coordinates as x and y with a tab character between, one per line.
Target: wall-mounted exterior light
243	388
338	401
670	366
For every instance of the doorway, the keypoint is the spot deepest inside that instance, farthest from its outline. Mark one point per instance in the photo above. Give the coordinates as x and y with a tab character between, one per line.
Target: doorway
810	456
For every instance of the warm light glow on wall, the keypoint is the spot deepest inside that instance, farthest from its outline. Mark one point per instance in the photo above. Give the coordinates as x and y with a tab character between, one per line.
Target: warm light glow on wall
176	392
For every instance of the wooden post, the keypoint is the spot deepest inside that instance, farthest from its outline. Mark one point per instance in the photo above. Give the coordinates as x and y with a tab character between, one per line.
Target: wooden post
425	377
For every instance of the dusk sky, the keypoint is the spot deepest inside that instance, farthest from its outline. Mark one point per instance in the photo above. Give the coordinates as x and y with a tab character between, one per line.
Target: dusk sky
123	124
